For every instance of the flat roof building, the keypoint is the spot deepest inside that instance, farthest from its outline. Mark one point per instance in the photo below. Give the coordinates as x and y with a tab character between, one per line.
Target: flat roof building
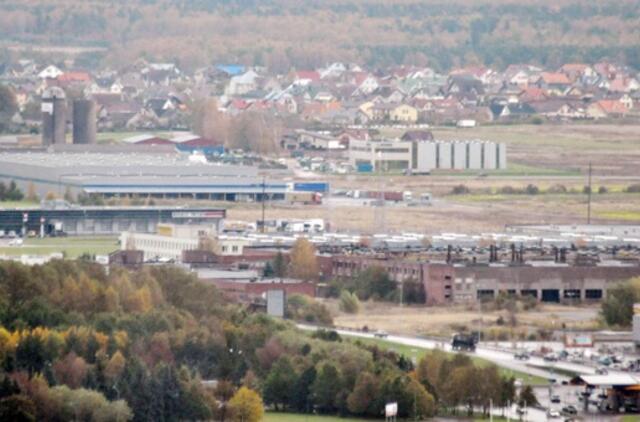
171	175
75	220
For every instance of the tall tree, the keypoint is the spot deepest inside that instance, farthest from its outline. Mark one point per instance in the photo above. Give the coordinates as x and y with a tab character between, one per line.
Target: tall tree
277	389
303	261
246	406
326	387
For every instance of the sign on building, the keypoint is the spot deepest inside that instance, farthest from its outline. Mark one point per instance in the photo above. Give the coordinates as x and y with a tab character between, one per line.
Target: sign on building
276	303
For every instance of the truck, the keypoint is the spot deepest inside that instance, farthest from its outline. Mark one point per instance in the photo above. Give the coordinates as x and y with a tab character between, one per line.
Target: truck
464	342
306	198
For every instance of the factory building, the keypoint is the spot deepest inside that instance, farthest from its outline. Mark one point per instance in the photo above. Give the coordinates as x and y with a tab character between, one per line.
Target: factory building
424	156
137	175
443	282
59	219
54	116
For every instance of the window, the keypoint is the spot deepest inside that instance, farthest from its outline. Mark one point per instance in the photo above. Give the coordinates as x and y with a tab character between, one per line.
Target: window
593	294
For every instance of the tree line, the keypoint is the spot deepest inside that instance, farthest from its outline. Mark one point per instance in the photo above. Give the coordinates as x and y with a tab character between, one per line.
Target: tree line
79	343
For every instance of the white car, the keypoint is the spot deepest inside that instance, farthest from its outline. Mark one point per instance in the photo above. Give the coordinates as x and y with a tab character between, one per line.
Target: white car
552	413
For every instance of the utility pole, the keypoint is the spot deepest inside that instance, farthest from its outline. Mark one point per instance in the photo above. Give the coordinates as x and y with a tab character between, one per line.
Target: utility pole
589	197
264	202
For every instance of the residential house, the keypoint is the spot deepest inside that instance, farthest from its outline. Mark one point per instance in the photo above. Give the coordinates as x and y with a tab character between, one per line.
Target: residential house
555	83
607	109
243	84
404	113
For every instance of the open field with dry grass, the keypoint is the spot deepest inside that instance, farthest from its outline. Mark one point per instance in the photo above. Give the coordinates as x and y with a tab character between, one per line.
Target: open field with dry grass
443	321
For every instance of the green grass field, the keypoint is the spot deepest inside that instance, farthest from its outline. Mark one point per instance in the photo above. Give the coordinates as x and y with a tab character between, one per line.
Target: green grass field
17	204
415	353
72	247
294	417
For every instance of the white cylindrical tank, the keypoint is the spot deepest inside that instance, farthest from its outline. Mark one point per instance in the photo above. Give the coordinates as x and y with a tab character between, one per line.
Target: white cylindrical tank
490	154
475	156
460	155
444	156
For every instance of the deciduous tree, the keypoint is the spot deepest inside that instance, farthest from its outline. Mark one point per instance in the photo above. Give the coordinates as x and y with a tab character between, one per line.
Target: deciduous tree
246	406
303	260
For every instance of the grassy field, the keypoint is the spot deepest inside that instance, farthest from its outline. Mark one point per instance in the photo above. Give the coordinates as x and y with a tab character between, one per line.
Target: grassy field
293	417
72	247
415	353
17	204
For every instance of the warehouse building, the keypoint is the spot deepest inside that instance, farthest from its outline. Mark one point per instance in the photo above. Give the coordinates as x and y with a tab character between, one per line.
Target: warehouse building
424	156
59	219
471	282
139	175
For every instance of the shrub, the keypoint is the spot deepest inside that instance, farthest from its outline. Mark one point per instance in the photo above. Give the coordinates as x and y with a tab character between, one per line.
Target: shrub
635	188
508	190
531	190
349	302
603	189
460	190
557	188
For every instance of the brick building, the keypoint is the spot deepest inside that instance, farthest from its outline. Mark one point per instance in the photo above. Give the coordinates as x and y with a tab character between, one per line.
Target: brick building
547	281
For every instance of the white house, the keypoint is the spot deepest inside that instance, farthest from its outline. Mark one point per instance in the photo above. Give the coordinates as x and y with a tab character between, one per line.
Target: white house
50	72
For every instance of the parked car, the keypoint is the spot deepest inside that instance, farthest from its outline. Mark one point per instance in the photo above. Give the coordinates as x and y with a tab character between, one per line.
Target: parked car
570	410
522	355
552	413
380	334
550	357
555	398
601	370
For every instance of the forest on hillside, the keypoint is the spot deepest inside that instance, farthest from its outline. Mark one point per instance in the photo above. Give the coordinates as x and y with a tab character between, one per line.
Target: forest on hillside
285	33
80	343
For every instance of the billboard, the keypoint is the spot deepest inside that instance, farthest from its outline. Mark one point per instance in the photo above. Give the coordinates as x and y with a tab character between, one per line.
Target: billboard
276	303
391	410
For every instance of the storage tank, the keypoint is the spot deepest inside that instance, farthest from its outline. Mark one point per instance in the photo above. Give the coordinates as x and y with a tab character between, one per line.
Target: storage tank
425	156
444	157
459	155
490	154
84	122
54	116
502	156
475	155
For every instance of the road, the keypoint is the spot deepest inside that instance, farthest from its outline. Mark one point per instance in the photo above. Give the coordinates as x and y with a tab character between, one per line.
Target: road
534	366
506	360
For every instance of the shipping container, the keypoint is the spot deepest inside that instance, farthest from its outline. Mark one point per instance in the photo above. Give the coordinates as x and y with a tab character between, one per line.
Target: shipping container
311	187
364	168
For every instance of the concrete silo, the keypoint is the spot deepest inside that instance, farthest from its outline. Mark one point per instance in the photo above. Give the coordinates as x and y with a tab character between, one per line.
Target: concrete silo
443	154
425	156
460	155
490	155
474	159
84	122
54	116
502	156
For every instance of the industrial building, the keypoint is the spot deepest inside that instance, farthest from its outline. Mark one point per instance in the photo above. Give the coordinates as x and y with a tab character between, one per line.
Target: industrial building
60	219
140	175
465	282
424	156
